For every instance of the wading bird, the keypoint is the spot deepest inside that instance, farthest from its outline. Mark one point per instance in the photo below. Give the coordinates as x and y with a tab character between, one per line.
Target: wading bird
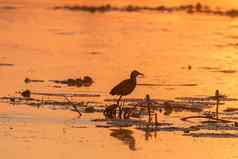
125	87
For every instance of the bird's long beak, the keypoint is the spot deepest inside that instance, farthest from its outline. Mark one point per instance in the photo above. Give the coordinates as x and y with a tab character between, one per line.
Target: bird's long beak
141	75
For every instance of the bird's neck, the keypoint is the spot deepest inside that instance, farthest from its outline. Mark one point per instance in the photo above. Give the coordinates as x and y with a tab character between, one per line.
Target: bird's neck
133	76
133	79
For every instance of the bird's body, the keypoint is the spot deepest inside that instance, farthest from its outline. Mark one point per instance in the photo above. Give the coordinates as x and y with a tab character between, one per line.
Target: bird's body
125	87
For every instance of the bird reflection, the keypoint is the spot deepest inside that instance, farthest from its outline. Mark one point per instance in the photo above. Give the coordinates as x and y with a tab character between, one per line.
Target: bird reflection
125	136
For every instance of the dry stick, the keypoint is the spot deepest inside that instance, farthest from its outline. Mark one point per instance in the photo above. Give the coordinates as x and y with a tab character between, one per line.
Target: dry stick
74	106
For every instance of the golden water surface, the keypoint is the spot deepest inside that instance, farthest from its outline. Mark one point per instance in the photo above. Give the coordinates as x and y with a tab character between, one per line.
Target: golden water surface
48	44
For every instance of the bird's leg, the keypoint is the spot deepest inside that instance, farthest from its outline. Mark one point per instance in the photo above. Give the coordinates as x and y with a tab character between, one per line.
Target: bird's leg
119	106
118	101
123	109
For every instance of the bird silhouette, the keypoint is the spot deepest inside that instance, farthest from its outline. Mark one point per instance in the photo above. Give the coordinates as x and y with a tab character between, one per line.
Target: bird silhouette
125	87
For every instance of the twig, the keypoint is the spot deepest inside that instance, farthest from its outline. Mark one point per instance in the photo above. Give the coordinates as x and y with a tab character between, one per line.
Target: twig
74	106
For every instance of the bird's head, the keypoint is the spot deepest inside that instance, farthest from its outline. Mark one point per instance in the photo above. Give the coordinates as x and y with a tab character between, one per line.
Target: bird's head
135	73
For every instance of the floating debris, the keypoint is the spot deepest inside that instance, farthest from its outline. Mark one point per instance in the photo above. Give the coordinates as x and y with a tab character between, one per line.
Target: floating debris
232	13
206	117
218	126
193	104
95	52
213	135
124	122
51	103
209	68
217	69
231	110
26	93
207	99
79	126
166	128
168	108
6	64
104	126
28	80
7	8
226	71
110	111
90	109
98	120
67	94
86	82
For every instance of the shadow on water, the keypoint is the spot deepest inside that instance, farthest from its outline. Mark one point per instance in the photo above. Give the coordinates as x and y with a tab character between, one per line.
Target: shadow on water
125	136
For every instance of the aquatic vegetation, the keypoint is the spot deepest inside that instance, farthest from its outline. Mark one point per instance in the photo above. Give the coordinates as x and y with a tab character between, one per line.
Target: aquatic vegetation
86	82
209	68
28	80
110	111
67	94
26	93
90	109
232	13
57	103
226	71
91	9
189	8
193	104
231	110
7	8
213	135
6	64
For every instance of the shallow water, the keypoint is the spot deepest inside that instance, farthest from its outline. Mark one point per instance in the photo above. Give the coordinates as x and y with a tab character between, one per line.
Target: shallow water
48	44
44	133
